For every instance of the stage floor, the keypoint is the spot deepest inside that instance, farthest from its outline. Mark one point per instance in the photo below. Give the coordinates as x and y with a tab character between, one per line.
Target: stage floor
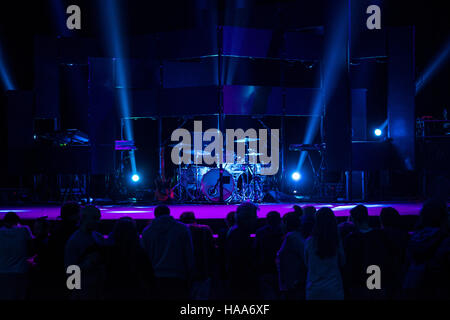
205	211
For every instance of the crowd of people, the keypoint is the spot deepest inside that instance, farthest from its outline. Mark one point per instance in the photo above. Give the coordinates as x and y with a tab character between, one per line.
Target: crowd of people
304	254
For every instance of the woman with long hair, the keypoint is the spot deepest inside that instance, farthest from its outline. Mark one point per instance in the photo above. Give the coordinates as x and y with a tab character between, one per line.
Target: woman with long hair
129	271
324	258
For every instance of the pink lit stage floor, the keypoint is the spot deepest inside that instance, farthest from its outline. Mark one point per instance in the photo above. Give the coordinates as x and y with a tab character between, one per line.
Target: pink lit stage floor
205	211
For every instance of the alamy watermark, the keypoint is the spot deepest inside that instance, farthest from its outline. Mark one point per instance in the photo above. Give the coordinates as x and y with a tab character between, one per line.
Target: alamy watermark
257	142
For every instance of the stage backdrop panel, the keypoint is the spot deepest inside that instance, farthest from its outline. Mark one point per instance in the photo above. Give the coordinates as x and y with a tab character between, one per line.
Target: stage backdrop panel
241	71
359	114
238	100
19	115
365	42
46	77
258	100
143	102
188	101
401	95
104	115
188	43
304	44
141	73
338	118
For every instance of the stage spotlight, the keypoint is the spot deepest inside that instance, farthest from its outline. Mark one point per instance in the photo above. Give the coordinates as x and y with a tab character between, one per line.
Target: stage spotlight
378	132
296	176
135	178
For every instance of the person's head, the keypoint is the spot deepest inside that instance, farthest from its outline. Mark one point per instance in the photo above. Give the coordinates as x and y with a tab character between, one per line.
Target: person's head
433	214
291	222
230	220
188	217
359	215
11	219
389	218
162	210
90	217
273	219
70	212
325	233
246	216
124	233
298	210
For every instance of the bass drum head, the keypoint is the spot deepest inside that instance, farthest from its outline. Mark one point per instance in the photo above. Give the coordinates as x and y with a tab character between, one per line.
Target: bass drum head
211	185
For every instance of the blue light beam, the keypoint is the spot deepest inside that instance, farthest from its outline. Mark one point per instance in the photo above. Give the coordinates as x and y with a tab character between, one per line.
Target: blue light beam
432	68
113	33
331	72
4	73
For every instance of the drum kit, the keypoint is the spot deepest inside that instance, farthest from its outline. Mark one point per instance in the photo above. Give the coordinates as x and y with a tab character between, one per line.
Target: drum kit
241	180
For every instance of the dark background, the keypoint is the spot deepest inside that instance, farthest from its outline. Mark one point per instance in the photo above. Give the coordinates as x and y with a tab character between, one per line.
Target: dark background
22	21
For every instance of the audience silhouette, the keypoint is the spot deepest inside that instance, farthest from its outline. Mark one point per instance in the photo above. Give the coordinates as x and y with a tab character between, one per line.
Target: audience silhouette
268	241
324	259
241	255
168	244
203	245
303	255
364	247
15	249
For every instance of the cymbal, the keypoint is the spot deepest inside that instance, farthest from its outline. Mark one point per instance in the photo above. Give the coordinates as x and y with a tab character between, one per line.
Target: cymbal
247	140
254	154
199	152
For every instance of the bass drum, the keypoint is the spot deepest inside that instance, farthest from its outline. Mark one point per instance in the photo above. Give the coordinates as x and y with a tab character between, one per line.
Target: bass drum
211	185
